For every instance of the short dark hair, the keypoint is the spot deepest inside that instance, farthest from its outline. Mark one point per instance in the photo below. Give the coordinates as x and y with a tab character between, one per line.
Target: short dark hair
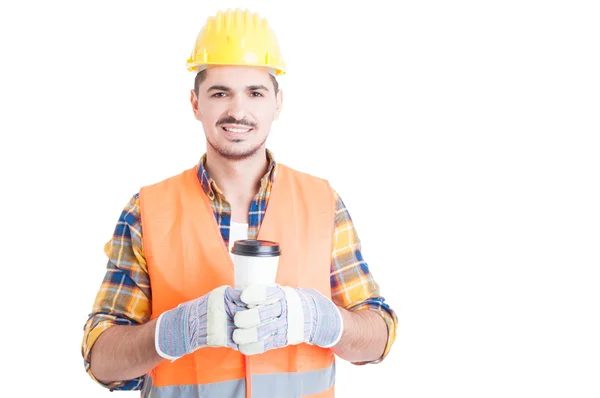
200	76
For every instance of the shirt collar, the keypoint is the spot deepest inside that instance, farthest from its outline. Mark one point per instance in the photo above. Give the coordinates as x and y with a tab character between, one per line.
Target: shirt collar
212	190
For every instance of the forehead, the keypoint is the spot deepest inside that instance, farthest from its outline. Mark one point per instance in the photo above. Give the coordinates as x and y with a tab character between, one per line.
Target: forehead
237	76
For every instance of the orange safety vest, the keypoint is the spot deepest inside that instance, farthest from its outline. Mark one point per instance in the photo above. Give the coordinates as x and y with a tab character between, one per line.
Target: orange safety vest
187	258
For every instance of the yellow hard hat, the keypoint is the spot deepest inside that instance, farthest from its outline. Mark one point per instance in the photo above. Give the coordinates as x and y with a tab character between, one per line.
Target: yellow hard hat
236	37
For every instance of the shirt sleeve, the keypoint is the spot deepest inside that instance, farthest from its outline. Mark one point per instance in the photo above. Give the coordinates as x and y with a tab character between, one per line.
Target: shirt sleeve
124	295
352	284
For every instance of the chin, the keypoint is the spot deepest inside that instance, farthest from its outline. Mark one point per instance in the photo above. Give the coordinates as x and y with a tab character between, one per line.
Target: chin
235	152
237	155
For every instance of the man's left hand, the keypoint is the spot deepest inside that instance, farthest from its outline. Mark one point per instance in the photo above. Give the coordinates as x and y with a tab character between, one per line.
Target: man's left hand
280	315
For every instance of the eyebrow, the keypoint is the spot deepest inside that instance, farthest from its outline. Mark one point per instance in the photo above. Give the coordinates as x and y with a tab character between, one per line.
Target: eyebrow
257	87
218	87
249	88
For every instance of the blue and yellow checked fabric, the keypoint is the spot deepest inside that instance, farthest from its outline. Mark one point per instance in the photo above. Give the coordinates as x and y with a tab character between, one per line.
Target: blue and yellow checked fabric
124	296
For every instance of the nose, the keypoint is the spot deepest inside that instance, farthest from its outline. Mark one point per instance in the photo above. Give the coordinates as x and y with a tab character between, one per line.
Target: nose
236	108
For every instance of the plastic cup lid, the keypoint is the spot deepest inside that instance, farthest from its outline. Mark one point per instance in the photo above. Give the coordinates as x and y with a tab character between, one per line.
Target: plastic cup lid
256	248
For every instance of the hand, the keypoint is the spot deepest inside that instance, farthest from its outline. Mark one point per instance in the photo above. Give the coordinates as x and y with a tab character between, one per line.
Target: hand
280	316
203	322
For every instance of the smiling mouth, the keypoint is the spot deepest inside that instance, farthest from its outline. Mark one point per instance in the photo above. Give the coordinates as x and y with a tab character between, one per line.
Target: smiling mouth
236	130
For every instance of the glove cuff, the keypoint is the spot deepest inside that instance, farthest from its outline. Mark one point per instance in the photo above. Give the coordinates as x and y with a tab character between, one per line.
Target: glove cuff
162	333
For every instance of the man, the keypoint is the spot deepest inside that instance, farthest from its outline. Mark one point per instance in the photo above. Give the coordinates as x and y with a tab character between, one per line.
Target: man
166	319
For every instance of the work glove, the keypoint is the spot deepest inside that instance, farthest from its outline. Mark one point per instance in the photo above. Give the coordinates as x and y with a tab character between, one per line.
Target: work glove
206	321
279	316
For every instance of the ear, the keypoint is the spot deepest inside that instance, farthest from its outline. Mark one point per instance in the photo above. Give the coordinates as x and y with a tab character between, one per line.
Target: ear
279	100
194	102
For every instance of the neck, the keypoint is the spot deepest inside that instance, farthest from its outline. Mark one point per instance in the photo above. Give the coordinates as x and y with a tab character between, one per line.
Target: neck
238	179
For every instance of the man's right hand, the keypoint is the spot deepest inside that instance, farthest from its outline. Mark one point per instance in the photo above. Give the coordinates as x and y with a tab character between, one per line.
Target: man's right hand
203	322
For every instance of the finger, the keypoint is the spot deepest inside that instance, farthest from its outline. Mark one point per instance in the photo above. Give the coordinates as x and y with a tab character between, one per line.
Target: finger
261	295
245	336
258	333
258	315
252	348
247	319
270	343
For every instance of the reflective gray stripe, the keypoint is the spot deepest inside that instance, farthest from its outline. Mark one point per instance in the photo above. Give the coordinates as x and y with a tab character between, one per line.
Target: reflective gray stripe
274	385
294	385
224	389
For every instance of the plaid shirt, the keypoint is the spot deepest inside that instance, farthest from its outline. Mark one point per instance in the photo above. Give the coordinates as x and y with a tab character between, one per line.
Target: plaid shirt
124	297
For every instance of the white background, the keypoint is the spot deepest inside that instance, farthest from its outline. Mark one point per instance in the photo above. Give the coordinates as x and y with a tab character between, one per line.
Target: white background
463	137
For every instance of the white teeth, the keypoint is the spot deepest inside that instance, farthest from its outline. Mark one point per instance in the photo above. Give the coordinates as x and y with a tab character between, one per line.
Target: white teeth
231	130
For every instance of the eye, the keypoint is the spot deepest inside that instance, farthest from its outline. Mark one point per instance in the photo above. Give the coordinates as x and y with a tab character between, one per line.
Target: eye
218	95
256	94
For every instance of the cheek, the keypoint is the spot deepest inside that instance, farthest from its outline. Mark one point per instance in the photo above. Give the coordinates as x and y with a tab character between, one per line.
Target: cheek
209	115
264	115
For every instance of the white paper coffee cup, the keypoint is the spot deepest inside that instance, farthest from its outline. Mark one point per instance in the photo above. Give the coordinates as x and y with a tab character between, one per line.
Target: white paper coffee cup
255	262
